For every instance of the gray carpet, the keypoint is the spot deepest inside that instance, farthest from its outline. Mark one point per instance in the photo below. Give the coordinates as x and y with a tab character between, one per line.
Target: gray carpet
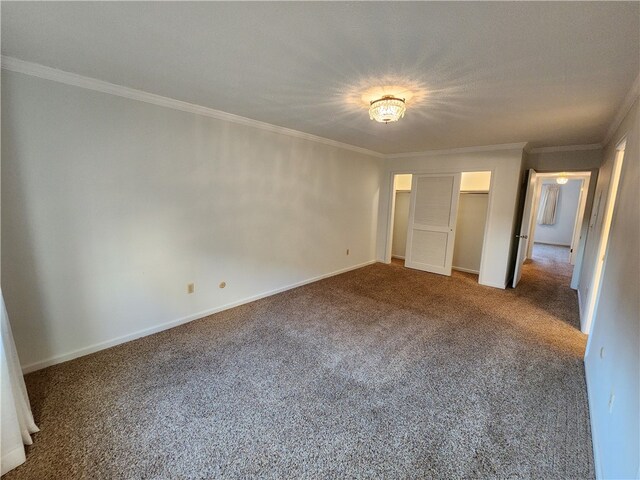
383	372
554	258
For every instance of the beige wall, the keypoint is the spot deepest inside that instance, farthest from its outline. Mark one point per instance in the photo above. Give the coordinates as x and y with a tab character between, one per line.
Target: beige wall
110	206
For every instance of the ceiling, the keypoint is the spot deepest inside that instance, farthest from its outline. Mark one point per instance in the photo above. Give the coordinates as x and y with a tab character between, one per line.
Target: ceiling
480	73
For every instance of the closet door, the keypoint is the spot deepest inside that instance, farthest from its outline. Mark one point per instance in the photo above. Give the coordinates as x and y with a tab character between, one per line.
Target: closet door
432	222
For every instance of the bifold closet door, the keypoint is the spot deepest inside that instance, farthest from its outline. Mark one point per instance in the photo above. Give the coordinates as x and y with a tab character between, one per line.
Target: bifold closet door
432	222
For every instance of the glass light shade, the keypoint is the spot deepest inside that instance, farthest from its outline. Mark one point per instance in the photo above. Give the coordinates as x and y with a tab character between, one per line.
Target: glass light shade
561	180
387	109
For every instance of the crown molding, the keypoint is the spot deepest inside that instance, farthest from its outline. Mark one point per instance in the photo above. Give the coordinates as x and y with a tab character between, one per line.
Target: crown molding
483	148
578	174
623	109
49	73
566	148
68	78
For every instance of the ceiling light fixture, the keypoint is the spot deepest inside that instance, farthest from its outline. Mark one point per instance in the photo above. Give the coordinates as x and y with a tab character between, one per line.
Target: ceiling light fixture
561	180
387	109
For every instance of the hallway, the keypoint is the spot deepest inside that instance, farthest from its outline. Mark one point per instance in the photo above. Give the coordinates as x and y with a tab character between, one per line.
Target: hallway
555	257
548	276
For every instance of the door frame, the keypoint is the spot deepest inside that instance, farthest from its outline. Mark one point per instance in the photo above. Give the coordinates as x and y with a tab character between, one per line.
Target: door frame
602	251
530	202
391	197
585	176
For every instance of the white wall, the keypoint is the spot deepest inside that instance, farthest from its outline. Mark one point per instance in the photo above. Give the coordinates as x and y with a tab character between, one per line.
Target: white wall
616	327
472	216
561	232
111	206
505	166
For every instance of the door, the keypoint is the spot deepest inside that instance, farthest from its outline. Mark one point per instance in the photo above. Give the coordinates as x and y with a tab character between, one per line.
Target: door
432	222
577	228
593	291
525	228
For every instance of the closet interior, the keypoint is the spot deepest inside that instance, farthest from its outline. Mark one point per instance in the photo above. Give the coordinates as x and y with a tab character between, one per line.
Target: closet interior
472	208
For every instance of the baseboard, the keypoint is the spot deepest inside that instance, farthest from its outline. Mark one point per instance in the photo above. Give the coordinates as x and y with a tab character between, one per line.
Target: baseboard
501	286
579	308
466	270
398	256
174	323
554	244
596	451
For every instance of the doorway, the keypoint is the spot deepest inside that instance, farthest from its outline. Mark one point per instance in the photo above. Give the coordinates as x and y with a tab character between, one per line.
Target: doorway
564	229
402	199
553	229
460	243
609	206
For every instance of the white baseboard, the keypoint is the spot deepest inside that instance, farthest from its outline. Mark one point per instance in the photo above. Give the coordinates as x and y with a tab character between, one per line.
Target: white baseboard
398	256
174	323
596	450
501	286
466	270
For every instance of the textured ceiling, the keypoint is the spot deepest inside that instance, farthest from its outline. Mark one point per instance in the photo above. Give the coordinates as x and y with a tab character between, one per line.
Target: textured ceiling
480	73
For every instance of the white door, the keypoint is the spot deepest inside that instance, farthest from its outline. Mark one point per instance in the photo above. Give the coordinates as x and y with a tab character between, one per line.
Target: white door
432	222
582	202
525	229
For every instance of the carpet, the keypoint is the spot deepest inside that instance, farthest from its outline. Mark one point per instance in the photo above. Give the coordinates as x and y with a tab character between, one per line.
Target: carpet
382	372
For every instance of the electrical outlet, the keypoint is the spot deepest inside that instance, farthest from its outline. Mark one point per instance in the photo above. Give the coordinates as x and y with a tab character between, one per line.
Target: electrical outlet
191	287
